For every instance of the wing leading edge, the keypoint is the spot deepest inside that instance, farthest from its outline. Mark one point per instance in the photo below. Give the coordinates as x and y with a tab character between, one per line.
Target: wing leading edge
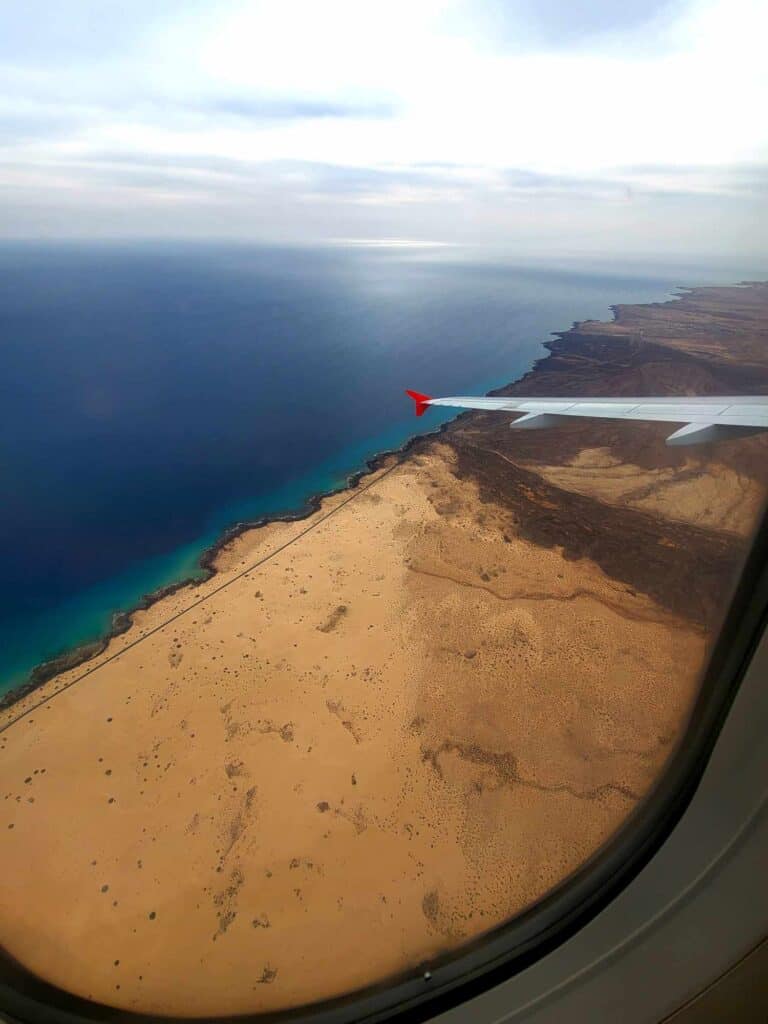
710	418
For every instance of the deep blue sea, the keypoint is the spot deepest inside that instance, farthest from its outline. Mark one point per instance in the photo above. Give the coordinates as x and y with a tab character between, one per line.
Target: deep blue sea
151	395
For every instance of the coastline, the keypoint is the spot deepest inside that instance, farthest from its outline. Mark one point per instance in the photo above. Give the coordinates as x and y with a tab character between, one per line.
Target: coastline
562	344
123	619
404	729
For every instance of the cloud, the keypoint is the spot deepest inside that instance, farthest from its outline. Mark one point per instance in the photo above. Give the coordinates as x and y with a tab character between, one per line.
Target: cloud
275	109
559	24
464	120
749	179
45	33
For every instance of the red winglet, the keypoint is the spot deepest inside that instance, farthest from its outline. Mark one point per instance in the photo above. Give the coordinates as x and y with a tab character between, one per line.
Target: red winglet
422	401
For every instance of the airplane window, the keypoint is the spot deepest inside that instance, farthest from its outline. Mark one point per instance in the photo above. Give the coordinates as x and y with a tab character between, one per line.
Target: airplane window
305	698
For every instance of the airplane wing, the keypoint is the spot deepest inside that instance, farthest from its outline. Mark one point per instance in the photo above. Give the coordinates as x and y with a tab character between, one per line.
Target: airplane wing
710	418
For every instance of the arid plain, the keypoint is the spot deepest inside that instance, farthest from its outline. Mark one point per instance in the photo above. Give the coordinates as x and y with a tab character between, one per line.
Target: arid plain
404	727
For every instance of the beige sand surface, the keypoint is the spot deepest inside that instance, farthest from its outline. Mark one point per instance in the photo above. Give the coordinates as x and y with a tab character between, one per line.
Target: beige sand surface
391	737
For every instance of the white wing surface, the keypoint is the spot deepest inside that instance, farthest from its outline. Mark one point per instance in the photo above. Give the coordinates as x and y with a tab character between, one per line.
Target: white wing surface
710	418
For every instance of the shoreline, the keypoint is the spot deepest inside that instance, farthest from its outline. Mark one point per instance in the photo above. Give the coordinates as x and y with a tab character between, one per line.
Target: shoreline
410	726
123	619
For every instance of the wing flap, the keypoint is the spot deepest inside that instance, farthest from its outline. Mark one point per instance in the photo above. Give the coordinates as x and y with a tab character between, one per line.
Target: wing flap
707	433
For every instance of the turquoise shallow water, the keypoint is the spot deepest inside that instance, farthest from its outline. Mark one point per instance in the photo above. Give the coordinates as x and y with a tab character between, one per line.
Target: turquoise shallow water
87	615
155	396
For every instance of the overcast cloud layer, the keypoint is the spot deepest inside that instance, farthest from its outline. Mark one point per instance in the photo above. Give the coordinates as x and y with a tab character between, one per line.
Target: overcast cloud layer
534	124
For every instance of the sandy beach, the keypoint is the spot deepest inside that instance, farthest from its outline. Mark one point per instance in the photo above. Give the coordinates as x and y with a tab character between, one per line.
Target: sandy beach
427	706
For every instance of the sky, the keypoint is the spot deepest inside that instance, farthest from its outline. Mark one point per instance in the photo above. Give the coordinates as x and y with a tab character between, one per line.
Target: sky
537	125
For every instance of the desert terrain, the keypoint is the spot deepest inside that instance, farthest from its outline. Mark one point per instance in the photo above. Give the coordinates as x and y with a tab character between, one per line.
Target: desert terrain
429	703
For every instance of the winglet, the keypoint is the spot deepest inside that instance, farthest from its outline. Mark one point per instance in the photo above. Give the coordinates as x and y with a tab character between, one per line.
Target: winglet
422	401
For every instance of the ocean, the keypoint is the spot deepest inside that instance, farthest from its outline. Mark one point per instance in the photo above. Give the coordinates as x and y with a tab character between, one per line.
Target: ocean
152	395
